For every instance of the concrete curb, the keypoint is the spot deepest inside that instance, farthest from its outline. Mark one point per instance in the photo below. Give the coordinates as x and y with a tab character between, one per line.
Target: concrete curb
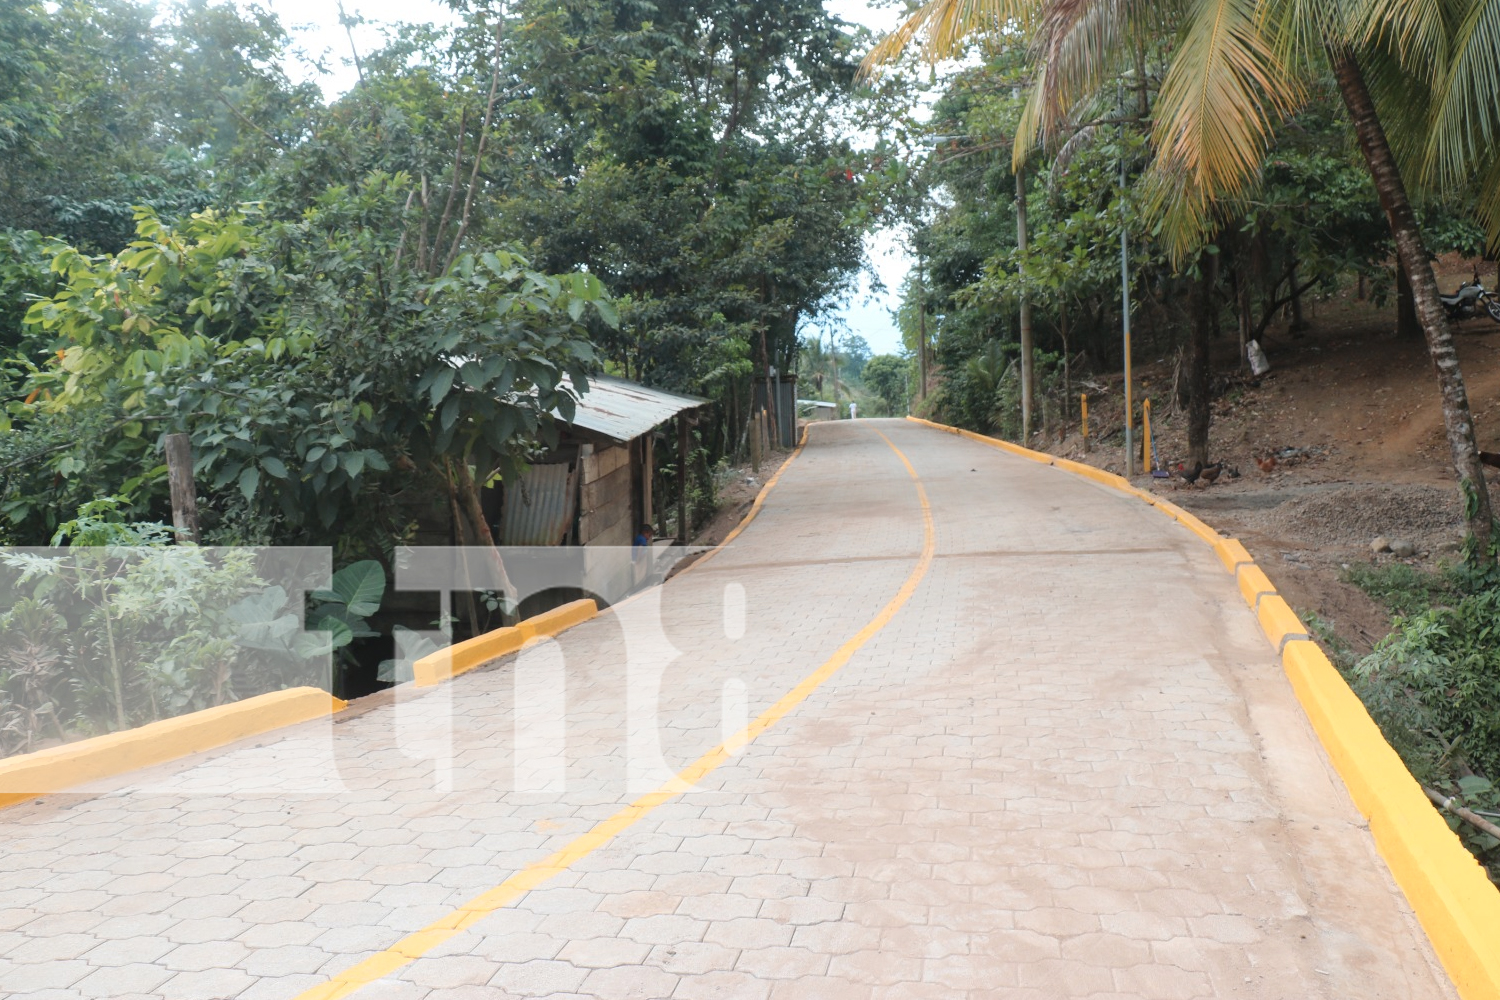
60	768
471	654
1453	898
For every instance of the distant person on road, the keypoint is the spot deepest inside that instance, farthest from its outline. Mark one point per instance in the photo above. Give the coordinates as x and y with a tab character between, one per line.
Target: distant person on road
642	537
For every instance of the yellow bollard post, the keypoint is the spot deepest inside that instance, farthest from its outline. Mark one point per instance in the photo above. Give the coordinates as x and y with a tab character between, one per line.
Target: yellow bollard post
1083	406
1146	435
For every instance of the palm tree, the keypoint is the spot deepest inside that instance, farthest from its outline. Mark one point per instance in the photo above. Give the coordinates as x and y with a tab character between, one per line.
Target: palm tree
1237	70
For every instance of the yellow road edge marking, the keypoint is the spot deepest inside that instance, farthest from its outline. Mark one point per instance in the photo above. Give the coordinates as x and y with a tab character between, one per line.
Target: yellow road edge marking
419	943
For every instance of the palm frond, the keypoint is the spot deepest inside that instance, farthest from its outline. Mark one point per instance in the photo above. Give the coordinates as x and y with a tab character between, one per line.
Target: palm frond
1299	31
1404	104
1465	123
1076	143
1221	100
1080	43
947	26
1029	125
1489	205
1415	31
1184	224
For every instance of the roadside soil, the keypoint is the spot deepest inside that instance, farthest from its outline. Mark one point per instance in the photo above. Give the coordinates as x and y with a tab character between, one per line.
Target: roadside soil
737	487
1361	409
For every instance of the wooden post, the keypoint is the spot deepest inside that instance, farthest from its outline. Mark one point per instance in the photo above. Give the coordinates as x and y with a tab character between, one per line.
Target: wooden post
753	433
1083	407
682	477
179	449
648	482
1146	463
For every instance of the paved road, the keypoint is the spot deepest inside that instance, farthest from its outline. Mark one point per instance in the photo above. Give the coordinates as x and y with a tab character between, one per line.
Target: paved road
1044	752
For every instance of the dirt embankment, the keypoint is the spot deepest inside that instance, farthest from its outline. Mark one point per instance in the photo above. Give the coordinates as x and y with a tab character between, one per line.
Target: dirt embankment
1361	410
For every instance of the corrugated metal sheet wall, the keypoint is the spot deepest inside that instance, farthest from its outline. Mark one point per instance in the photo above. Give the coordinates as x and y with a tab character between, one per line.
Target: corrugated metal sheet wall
539	510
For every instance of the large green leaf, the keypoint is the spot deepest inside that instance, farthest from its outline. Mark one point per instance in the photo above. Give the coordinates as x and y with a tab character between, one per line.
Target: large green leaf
315	642
441	383
360	587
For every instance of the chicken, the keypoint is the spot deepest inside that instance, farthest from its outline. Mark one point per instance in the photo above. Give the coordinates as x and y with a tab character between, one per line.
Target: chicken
1267	462
1190	476
1211	473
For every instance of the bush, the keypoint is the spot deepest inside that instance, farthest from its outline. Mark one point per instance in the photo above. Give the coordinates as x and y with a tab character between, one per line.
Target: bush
1436	681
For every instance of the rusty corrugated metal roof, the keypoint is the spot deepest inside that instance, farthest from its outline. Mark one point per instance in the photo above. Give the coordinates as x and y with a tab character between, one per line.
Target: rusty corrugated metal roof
539	509
624	410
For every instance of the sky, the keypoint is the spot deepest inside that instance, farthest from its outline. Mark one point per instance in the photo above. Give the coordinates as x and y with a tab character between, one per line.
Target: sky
315	29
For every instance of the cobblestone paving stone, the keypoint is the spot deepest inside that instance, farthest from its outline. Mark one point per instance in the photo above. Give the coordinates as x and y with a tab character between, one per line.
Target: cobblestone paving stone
1069	767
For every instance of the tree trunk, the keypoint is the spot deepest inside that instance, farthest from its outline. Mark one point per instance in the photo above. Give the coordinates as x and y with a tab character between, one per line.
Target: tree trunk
1028	373
1298	323
462	543
1198	369
1062	332
1413	257
179	449
1408	327
468	493
1243	294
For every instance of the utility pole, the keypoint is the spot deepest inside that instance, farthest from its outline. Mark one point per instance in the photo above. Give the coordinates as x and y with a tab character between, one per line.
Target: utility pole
1027	370
833	354
921	331
1125	315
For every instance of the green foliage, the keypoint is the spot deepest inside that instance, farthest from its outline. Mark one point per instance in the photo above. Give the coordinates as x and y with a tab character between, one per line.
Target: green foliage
111	104
1402	589
304	364
1434	684
119	629
266	622
344	303
888	377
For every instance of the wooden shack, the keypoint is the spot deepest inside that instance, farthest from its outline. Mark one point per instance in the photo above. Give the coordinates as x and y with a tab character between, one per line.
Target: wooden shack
595	488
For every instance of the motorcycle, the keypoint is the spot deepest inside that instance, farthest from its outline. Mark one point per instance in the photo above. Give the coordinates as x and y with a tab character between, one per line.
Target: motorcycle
1471	301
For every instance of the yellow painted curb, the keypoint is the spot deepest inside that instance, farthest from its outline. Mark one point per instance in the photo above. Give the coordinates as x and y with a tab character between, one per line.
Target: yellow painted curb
1232	554
1453	898
1253	583
558	619
1097	475
1278	620
73	764
462	657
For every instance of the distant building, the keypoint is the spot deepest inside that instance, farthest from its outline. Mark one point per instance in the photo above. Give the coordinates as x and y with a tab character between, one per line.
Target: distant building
815	409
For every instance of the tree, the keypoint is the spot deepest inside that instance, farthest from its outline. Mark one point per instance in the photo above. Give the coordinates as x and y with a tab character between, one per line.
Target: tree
306	362
886	375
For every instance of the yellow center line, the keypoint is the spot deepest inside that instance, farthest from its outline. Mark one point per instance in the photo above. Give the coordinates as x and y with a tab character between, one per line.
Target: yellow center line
419	943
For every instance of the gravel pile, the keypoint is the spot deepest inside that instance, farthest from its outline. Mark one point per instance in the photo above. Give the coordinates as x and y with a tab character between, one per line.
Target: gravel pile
1352	515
